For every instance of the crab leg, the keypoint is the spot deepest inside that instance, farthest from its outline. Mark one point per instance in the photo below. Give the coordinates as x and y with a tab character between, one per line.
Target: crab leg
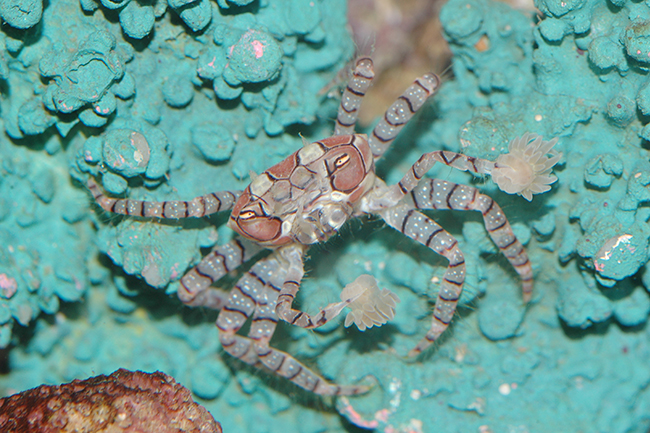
195	208
195	285
351	99
424	230
400	112
383	198
290	287
440	194
255	295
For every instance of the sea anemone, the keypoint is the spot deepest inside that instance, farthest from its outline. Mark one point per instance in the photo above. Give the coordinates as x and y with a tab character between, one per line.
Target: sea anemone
371	306
526	170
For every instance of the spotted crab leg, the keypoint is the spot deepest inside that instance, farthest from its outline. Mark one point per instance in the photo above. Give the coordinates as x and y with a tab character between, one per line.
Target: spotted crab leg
383	198
294	257
437	194
255	295
401	111
424	230
195	208
195	285
352	95
440	194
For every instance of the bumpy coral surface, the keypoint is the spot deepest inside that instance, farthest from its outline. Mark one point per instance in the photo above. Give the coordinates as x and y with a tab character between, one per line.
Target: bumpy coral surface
124	401
173	99
100	98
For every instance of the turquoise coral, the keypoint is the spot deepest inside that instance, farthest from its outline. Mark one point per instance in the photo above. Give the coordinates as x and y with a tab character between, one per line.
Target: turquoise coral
578	83
85	77
21	14
576	91
181	82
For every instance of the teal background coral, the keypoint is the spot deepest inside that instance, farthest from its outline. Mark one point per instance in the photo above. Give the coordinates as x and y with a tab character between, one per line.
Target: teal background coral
173	99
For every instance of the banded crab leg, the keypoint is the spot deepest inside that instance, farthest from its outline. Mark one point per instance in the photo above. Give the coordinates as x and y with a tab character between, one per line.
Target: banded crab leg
174	209
424	230
293	255
386	197
195	290
397	115
525	170
194	287
447	195
440	194
400	112
255	295
352	95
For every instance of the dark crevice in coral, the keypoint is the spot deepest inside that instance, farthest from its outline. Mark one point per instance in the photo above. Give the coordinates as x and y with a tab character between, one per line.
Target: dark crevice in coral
253	8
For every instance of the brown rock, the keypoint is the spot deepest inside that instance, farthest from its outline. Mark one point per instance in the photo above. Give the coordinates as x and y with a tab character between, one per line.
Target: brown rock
124	402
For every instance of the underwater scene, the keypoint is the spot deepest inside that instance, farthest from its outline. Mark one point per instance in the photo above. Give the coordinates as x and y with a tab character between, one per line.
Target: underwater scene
543	114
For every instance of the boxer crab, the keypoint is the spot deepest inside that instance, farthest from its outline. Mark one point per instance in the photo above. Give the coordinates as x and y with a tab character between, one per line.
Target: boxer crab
306	198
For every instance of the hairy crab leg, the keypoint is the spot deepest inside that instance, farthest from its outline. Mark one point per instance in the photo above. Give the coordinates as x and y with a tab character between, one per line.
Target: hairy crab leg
290	287
525	170
383	198
174	209
424	230
195	285
400	112
255	295
352	95
440	194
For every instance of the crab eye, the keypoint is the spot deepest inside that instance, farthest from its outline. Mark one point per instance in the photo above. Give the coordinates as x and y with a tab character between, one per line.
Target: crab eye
247	214
346	169
341	160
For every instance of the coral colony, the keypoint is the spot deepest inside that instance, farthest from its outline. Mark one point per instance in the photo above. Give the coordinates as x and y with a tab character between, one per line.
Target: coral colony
163	101
307	198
